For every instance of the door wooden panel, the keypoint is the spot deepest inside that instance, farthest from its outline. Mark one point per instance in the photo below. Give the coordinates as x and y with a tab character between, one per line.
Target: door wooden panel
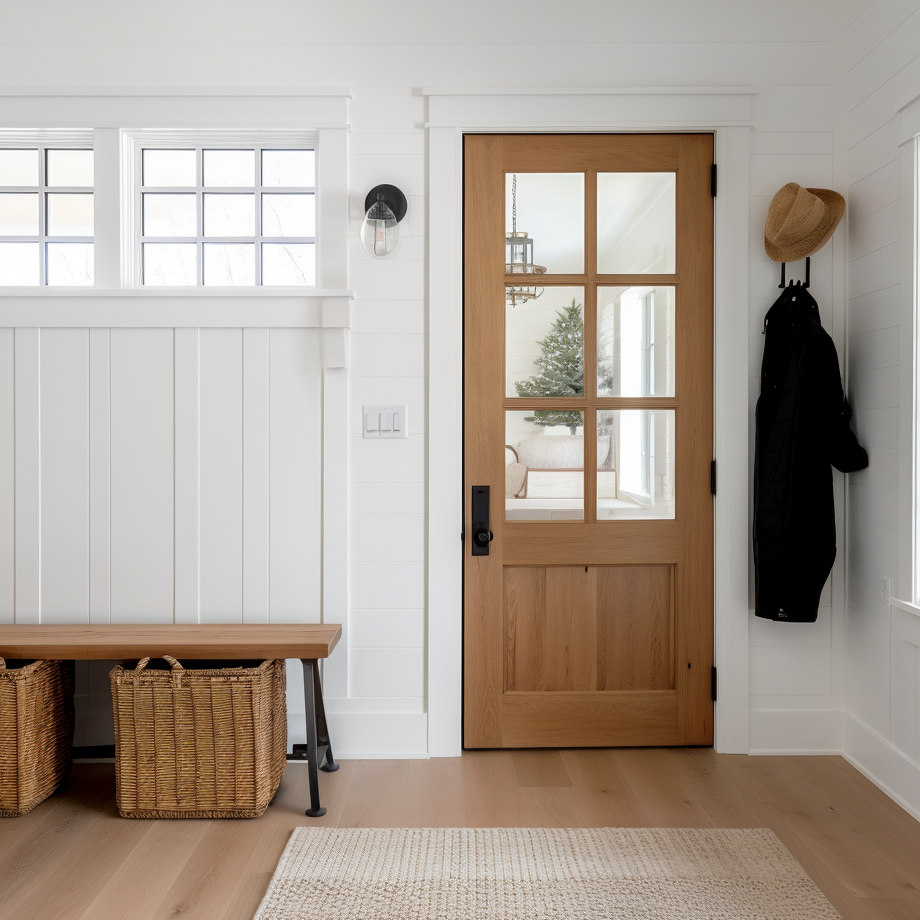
592	625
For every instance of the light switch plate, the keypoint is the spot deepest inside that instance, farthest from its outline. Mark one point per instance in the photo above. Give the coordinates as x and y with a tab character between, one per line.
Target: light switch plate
385	421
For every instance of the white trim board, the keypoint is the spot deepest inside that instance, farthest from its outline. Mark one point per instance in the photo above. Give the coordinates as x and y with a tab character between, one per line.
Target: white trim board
451	112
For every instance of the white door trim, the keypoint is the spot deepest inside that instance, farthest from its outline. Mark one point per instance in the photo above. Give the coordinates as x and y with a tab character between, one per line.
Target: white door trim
452	112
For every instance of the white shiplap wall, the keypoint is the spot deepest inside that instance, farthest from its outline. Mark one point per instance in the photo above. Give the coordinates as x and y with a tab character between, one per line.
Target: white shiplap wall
879	71
785	49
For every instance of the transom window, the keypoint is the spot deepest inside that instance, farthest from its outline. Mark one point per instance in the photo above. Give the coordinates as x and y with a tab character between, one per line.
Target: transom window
227	215
46	215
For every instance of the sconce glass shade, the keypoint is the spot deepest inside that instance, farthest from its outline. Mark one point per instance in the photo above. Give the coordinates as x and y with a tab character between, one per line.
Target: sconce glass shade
380	230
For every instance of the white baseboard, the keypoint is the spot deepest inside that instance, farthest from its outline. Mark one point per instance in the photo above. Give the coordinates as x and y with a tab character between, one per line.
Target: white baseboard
369	735
894	773
803	732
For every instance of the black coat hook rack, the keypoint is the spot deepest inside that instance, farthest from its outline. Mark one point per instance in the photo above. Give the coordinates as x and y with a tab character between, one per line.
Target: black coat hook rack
807	282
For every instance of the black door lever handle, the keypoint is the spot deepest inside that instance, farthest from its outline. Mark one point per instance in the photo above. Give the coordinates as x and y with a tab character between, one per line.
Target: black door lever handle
482	533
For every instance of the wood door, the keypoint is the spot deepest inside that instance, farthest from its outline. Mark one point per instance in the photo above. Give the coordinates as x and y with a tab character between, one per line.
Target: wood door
590	621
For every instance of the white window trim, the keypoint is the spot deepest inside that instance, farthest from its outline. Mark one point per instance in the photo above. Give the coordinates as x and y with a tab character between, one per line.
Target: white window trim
117	116
132	191
452	111
908	585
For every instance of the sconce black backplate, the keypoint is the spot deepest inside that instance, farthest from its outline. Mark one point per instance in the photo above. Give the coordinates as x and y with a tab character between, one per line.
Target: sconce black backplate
395	200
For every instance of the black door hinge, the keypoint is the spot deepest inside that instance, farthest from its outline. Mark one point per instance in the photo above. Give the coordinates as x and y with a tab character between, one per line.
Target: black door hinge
713	180
715	684
712	477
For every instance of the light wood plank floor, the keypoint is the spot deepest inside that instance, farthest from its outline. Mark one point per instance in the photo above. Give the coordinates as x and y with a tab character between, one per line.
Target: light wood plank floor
73	858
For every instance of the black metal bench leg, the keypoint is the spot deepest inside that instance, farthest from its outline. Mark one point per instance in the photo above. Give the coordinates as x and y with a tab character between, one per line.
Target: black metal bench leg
330	766
310	682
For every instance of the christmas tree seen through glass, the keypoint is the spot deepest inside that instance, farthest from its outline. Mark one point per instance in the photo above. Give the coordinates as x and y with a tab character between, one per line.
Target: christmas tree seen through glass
562	365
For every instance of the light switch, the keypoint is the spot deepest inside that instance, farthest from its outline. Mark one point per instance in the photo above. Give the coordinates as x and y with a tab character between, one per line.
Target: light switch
386	421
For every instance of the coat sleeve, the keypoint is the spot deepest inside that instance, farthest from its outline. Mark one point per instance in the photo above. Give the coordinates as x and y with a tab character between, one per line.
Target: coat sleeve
830	408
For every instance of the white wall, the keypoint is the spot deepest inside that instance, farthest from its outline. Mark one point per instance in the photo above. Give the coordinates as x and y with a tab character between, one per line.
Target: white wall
385	55
879	67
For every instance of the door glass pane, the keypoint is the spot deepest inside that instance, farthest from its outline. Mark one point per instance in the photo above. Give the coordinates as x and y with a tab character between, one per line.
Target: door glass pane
169	168
635	464
19	214
544	465
550	212
635	341
19	167
70	263
70	215
545	343
229	167
19	263
230	215
70	168
636	223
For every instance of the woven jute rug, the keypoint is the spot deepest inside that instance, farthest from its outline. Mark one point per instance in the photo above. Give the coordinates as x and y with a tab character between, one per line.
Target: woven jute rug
539	874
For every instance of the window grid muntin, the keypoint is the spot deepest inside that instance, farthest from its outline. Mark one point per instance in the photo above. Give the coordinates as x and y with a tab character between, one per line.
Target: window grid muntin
200	190
43	190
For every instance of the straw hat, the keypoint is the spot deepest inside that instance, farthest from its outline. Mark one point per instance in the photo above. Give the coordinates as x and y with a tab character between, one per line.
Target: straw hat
800	221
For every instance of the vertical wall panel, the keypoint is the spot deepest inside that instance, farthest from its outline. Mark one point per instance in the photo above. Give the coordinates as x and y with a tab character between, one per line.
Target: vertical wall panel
187	471
65	475
7	475
142	475
256	394
221	480
28	475
296	476
100	570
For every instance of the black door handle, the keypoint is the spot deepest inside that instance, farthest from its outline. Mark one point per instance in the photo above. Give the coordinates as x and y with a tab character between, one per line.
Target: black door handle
482	534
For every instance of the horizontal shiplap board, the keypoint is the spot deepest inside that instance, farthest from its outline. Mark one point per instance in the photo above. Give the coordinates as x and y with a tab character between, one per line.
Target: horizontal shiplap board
387	498
791	142
372	734
388	585
793	670
409	248
875	231
873	505
769	173
769	634
386	672
877	349
389	279
411	392
875	388
882	471
874	547
397	354
877	190
795	107
870	29
874	151
388	459
876	310
877	427
386	628
884	62
407	172
875	271
868	694
781	731
892	93
388	143
389	316
387	537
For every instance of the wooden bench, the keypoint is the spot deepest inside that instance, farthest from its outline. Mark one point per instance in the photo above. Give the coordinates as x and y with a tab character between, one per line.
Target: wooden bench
108	642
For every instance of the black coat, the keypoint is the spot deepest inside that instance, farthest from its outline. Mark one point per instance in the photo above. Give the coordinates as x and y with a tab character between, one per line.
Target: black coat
802	428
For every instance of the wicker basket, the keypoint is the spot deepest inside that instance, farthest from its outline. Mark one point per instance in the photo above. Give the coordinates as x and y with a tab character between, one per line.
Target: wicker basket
198	742
36	731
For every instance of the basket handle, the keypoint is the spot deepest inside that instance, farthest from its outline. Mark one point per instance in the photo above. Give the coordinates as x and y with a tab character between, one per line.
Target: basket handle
173	664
